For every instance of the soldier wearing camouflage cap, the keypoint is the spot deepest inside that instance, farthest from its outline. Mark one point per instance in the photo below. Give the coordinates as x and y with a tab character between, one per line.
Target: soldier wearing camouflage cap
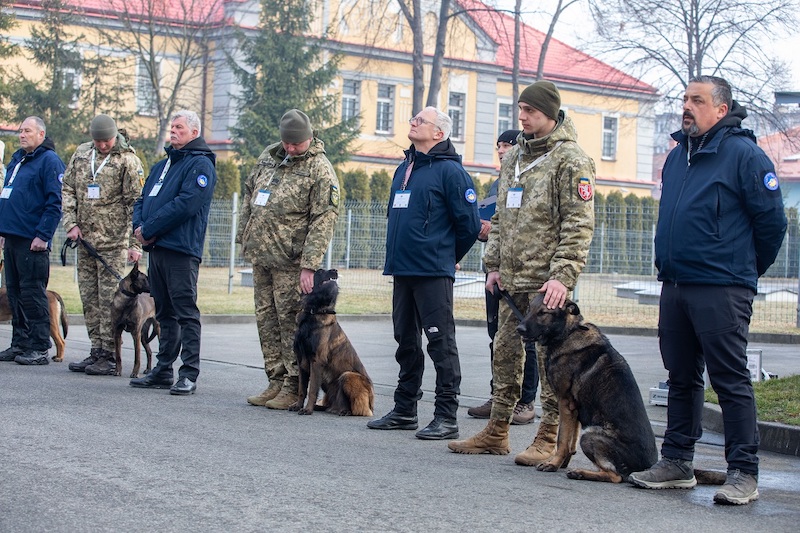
102	181
290	204
540	237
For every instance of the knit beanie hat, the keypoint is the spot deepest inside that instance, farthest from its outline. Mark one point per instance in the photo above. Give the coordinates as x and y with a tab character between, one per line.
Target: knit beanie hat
295	127
103	128
508	136
543	96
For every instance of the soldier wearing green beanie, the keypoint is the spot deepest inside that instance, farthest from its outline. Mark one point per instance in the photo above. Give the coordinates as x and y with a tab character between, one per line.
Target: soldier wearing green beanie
290	204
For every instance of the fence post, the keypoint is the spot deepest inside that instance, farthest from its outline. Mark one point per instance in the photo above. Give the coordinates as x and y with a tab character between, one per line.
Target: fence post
653	251
234	221
347	239
602	244
328	255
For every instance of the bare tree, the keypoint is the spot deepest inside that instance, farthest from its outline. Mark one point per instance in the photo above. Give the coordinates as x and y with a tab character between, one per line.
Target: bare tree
149	33
438	54
670	41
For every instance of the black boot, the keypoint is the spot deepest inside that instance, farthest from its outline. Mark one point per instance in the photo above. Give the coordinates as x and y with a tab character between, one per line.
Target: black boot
106	365
81	366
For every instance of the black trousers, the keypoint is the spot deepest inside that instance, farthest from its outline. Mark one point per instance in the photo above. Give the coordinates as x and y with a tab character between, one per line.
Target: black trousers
530	379
173	286
706	326
27	275
425	304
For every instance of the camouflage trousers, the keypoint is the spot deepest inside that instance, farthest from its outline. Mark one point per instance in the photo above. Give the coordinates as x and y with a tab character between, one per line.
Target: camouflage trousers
277	299
509	364
97	287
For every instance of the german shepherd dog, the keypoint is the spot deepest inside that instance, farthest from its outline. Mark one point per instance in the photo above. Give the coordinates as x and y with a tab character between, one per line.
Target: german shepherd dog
59	324
326	358
595	389
134	310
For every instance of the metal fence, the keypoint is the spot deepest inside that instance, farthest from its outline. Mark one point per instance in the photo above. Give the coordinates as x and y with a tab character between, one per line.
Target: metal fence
617	287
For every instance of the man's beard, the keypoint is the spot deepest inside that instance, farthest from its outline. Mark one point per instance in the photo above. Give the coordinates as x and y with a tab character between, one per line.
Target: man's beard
691	130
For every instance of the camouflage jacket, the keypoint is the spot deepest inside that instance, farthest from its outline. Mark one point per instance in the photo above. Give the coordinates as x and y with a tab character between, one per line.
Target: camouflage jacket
105	221
548	236
289	208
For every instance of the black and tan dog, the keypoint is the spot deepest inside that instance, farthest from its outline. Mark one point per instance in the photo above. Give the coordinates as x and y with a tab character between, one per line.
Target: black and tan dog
134	310
59	324
595	389
326	358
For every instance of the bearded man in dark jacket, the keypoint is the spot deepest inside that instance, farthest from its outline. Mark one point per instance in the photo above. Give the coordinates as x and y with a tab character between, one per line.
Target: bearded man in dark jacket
170	220
433	222
720	226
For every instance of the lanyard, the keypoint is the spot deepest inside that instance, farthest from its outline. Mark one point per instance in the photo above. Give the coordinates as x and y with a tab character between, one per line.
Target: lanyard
407	176
518	173
164	172
96	172
14	174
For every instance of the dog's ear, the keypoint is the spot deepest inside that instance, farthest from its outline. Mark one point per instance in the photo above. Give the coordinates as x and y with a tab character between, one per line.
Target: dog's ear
572	308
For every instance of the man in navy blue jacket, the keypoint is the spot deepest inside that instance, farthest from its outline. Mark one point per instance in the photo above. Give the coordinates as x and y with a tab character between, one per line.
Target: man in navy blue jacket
30	208
720	226
170	221
433	222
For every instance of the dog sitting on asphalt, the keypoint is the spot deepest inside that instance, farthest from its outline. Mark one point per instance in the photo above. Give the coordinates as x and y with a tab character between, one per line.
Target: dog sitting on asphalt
134	310
326	358
595	389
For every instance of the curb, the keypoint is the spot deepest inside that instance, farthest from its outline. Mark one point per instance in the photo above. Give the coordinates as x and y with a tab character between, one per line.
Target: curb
775	437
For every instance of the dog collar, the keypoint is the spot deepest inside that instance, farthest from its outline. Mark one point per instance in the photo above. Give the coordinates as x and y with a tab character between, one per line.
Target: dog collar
127	293
328	312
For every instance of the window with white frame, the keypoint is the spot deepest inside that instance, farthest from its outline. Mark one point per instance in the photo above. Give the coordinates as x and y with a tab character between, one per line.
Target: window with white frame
610	126
385	109
71	80
505	114
455	108
145	92
351	96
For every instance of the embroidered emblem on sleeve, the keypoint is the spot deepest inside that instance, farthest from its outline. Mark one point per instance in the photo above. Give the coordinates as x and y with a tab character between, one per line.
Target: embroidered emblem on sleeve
585	190
202	180
771	181
470	196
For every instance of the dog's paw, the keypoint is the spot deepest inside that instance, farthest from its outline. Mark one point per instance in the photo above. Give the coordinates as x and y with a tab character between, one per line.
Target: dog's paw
57	359
548	467
305	411
575	474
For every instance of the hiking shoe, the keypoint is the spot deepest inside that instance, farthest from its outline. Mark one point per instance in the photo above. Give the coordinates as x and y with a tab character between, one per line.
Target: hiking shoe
739	489
524	413
81	366
10	354
33	357
482	411
666	474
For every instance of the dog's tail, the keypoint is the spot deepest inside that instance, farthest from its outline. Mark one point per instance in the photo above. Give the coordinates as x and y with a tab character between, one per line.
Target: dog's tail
63	314
709	477
358	388
150	330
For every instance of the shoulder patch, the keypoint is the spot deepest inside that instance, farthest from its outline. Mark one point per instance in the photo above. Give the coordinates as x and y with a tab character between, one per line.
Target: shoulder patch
202	180
771	181
61	178
334	198
585	190
470	196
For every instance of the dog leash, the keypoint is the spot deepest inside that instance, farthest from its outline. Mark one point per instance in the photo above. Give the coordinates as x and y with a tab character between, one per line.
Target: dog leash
91	250
510	301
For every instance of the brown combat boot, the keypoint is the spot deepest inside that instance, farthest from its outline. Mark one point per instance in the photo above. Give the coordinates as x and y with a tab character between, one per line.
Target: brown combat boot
492	439
106	364
482	411
286	397
542	447
267	394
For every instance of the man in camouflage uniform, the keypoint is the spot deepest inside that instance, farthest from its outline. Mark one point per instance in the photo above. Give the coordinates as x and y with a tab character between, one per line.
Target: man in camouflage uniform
102	181
538	243
289	209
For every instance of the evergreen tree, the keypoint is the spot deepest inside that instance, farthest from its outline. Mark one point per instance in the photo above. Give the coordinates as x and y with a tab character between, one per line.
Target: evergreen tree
7	49
380	185
357	185
54	98
283	69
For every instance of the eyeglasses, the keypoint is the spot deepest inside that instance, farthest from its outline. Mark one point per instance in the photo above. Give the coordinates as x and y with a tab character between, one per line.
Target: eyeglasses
416	121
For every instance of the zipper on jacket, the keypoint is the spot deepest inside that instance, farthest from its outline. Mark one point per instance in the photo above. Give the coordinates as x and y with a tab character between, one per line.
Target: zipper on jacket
672	220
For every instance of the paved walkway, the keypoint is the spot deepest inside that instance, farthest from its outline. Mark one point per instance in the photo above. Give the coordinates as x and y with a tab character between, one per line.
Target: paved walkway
85	453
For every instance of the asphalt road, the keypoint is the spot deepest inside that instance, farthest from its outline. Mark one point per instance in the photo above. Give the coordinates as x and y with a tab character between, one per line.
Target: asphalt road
82	453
